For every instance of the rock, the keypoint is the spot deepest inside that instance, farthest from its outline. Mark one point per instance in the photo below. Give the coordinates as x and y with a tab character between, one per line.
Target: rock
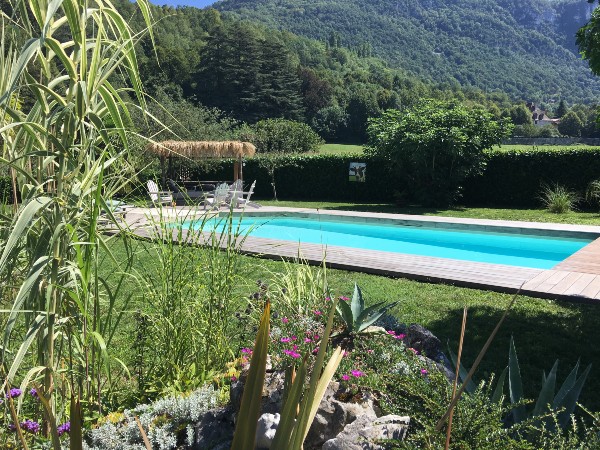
365	432
215	430
333	415
373	329
423	340
265	431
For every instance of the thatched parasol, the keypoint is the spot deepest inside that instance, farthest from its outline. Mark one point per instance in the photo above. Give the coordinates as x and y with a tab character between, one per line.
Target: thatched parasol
202	149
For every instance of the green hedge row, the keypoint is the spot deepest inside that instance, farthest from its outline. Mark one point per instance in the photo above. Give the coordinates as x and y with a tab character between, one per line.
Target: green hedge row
511	178
515	178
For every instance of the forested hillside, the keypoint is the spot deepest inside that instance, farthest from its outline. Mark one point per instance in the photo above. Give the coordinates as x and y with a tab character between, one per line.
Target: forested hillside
250	72
525	48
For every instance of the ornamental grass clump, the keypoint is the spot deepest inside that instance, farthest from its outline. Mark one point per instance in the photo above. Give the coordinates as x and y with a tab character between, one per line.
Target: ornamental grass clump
558	199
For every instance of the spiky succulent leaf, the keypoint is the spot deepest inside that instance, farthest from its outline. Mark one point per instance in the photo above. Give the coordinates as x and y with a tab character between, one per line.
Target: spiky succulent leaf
462	372
547	393
370	315
345	312
566	386
497	395
357	304
569	401
515	385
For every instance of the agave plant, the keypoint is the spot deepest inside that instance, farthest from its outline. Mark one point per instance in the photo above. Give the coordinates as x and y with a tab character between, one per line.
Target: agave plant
356	317
548	400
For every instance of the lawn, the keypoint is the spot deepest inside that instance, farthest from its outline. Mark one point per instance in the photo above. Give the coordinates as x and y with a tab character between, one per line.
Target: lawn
545	147
543	330
528	215
340	149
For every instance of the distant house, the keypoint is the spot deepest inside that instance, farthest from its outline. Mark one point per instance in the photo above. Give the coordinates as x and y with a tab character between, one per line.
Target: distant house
540	118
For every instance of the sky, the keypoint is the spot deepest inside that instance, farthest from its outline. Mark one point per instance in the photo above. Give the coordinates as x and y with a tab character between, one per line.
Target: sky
196	3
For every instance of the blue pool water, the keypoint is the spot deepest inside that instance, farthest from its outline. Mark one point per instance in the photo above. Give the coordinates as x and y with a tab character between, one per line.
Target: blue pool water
540	252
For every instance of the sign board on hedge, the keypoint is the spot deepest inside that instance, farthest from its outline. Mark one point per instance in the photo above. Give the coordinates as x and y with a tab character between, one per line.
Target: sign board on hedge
358	171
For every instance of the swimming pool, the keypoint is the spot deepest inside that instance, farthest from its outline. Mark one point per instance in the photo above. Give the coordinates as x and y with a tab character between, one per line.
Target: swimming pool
534	251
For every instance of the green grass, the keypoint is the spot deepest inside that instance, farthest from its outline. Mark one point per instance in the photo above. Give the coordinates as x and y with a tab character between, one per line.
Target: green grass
521	147
544	330
528	215
340	149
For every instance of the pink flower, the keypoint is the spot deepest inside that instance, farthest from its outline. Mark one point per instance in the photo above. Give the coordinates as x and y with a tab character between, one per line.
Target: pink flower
285	320
233	378
391	332
316	350
401	336
424	372
295	355
294	338
346	353
317	312
414	350
316	337
295	347
370	351
307	340
327	299
345	377
247	350
357	373
285	339
344	298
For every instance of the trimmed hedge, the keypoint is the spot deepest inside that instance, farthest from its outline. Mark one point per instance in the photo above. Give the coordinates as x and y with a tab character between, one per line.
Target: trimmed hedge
516	178
511	178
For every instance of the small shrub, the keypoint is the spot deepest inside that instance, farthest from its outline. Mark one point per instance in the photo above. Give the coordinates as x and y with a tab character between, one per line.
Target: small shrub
558	199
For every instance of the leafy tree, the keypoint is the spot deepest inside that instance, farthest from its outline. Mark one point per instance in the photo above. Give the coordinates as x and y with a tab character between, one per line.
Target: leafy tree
570	125
520	115
588	41
435	145
284	136
330	122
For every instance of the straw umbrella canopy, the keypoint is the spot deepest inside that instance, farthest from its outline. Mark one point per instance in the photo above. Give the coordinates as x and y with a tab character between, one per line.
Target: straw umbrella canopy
203	149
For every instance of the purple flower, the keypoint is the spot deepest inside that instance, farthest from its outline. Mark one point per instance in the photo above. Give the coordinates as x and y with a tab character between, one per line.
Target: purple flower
285	339
344	298
66	427
400	336
247	350
233	378
391	332
317	312
424	372
345	377
292	353
307	340
285	320
33	392
30	426
14	392
357	373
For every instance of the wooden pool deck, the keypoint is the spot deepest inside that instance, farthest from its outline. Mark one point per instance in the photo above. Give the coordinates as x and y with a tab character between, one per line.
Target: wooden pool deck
576	279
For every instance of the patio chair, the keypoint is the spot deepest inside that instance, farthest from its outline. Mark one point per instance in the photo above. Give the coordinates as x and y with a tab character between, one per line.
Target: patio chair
159	197
235	192
241	202
117	211
219	197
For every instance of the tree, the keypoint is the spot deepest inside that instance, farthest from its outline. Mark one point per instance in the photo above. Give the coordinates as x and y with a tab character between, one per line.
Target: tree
520	115
588	41
561	110
434	146
570	125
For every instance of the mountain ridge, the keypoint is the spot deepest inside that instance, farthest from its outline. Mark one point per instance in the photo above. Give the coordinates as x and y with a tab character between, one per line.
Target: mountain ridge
524	48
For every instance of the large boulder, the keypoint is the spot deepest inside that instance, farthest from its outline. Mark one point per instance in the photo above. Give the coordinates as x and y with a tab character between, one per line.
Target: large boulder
365	433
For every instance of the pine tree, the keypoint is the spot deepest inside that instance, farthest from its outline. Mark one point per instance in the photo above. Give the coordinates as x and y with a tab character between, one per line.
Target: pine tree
561	110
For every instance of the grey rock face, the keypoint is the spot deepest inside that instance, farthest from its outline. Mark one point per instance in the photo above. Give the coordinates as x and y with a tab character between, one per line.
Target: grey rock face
364	433
265	431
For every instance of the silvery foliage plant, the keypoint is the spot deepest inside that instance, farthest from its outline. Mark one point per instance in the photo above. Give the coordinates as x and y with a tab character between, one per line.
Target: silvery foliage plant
182	412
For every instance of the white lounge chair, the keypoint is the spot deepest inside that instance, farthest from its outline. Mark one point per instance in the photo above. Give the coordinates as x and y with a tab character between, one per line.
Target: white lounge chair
159	197
241	201
219	198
